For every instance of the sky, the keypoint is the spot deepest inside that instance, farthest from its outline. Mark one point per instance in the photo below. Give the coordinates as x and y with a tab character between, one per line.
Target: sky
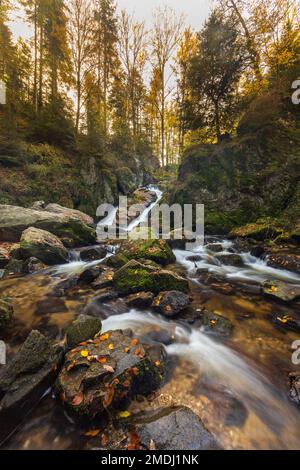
195	11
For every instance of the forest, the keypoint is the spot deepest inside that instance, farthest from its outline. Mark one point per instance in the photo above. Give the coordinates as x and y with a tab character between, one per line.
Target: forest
147	344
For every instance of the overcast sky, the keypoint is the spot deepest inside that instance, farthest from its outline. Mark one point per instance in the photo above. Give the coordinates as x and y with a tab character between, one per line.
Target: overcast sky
196	11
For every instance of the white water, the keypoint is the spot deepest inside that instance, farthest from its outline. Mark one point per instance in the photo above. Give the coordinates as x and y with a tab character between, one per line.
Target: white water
226	368
254	269
144	216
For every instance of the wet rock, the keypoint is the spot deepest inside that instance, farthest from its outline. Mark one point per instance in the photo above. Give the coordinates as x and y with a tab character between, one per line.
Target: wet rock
33	265
14	268
104	280
26	379
216	282
294	384
37	243
100	308
90	274
154	250
230	260
214	247
262	229
4	257
281	290
107	371
174	429
70	213
50	305
177	240
215	323
171	303
93	253
288	262
258	251
14	220
83	328
6	312
61	289
194	258
140	300
136	277
116	261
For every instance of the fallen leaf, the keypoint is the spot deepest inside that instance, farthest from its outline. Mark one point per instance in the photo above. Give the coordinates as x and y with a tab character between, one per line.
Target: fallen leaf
84	343
157	363
101	360
111	346
77	400
84	353
126	383
103	440
134	342
124	414
134	441
104	337
127	350
92	433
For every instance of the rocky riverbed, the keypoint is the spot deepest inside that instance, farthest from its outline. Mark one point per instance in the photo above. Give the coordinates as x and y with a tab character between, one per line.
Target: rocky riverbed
141	344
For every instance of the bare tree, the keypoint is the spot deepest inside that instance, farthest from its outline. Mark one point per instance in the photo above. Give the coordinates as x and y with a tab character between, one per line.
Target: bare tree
80	35
132	53
165	37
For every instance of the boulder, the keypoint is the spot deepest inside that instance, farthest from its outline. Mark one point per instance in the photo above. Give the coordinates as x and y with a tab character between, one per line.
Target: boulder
38	205
262	229
14	220
136	277
214	247
108	370
230	260
174	429
171	303
104	280
116	261
14	268
82	329
4	258
258	251
154	250
32	265
93	253
37	243
89	274
215	323
140	300
6	312
288	262
70	213
294	384
281	290
26	379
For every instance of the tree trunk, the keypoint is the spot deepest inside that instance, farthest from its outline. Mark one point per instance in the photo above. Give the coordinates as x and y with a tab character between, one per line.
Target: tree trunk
35	97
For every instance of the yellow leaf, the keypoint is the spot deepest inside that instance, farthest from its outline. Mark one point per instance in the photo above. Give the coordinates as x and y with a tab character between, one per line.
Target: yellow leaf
92	433
124	414
84	353
111	346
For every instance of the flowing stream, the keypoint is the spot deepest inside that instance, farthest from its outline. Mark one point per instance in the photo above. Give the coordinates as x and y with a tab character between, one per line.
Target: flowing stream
237	386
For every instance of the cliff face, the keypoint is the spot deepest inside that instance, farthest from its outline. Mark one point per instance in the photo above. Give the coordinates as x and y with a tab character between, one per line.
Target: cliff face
254	176
43	172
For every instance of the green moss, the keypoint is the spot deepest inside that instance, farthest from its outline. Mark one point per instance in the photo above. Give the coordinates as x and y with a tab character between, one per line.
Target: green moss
153	250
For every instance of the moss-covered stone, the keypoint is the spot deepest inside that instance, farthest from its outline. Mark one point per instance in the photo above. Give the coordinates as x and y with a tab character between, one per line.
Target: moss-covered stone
116	261
136	277
43	245
6	313
154	250
83	328
262	229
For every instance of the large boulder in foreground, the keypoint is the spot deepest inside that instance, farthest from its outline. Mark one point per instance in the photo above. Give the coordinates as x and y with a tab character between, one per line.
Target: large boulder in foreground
104	372
37	243
281	290
174	429
70	213
171	303
154	250
14	220
137	277
26	379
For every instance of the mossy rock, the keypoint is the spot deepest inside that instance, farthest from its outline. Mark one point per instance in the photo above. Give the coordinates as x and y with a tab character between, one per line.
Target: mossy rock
216	324
137	277
116	261
83	328
154	250
263	229
6	313
43	245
